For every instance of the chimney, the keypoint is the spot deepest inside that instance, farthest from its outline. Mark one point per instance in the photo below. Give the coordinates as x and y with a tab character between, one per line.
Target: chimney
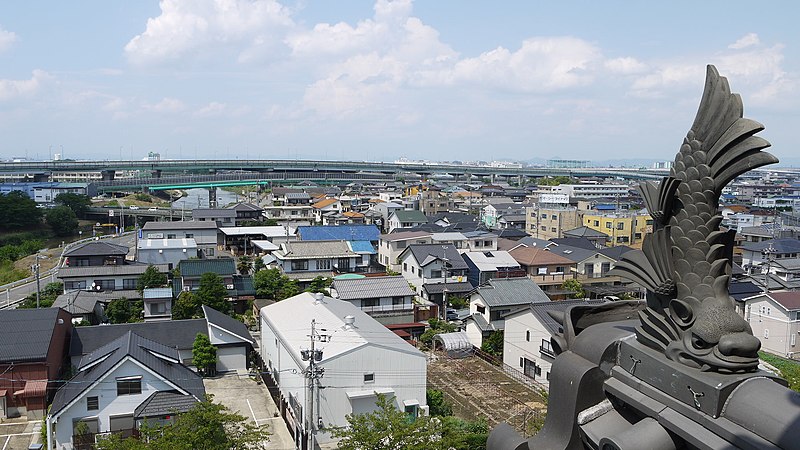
349	322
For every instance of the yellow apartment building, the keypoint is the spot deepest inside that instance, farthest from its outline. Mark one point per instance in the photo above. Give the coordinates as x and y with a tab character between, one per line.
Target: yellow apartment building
623	228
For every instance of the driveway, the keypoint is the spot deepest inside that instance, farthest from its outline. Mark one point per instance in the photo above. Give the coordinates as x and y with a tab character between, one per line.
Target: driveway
18	433
252	400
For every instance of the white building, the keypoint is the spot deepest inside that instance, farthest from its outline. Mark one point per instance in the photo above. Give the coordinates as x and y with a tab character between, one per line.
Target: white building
360	358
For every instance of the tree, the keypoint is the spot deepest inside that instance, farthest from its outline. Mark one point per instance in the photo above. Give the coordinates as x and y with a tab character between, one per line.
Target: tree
463	434
19	212
186	306
212	292
62	220
245	265
320	284
289	288
48	296
268	283
575	286
494	343
151	278
437	403
78	203
258	264
121	310
390	429
204	355
207	425
458	302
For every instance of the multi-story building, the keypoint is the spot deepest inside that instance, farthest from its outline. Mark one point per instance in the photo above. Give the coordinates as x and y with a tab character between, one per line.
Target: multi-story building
205	234
548	222
391	245
622	228
775	319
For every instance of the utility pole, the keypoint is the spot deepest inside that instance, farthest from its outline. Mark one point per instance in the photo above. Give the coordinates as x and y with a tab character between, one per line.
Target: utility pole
35	270
313	375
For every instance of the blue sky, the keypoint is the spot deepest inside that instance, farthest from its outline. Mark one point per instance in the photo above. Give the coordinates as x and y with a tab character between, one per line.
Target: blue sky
361	80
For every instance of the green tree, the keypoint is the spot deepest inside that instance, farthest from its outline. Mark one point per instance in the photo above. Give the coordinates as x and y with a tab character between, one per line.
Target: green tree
388	428
464	435
289	288
122	310
437	403
212	292
245	265
494	343
320	284
62	221
268	283
575	286
186	306
258	264
207	425
458	302
48	296
204	355
19	212
78	203
151	278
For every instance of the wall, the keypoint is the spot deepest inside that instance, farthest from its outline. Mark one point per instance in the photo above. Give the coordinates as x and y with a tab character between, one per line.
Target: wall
516	345
770	323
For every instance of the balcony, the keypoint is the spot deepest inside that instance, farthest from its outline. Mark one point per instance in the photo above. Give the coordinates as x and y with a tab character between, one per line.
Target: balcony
553	278
546	350
88	441
387	308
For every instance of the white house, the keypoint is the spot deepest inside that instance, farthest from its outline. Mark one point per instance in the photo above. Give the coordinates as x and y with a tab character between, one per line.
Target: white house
435	269
360	358
391	245
526	340
775	319
114	391
387	299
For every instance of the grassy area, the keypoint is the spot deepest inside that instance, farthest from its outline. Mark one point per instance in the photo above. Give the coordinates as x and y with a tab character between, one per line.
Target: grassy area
789	369
9	273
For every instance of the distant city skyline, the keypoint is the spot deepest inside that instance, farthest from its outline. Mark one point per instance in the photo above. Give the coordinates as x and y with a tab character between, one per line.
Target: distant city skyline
378	81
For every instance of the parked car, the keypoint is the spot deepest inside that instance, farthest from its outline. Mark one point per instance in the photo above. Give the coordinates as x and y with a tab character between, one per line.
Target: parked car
451	314
134	207
152	209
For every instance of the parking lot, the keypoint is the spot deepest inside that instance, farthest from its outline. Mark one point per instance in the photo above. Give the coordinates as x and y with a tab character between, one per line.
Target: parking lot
244	396
17	433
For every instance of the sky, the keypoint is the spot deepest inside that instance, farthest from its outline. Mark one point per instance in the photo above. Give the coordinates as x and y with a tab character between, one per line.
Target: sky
442	80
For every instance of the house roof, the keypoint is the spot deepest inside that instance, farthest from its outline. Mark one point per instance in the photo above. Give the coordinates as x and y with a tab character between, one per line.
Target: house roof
314	249
575	254
512	233
268	231
460	287
162	244
511	292
161	359
212	213
783	245
162	403
197	267
530	256
180	225
245	207
580	242
585	232
512	218
83	302
25	334
372	287
788	299
227	323
297	196
363	247
97	248
480	322
339	232
428	253
162	292
282	317
325	202
491	260
615	252
123	269
404	235
178	334
743	289
405	215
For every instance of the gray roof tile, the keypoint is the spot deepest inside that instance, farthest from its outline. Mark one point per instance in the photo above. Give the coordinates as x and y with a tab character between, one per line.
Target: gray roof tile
25	334
178	334
511	291
197	267
226	322
372	287
97	248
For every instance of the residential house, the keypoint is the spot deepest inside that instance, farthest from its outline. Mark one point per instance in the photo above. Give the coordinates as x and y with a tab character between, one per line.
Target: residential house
526	340
104	278
157	304
34	343
205	234
589	264
361	358
757	256
592	190
548	269
435	271
491	213
385	210
406	219
241	240
305	260
325	208
389	300
775	319
165	251
622	227
223	217
432	202
491	302
391	245
114	391
89	306
369	233
487	265
96	253
239	287
246	212
598	238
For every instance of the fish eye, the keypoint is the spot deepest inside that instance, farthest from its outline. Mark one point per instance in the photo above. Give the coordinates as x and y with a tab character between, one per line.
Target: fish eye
700	343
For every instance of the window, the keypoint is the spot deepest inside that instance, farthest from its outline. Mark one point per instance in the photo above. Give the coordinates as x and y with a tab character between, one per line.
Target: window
436	274
553	229
300	265
609	225
323	264
129	283
369	377
158	308
370	302
75	285
92	404
209	252
171	236
544	216
487	243
397	301
481	309
766	333
528	335
104	285
405	267
189	235
620	225
413	270
541	271
544	228
129	386
605	267
521	361
597	223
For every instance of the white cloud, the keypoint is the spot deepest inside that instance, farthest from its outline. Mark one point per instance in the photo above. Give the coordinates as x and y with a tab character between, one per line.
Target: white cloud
210	29
166	105
748	40
12	89
625	66
211	109
7	39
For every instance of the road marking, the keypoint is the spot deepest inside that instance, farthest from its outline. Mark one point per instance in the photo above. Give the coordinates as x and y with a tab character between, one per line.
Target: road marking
251	411
6	444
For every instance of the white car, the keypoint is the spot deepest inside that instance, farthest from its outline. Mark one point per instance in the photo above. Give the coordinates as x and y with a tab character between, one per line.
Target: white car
134	207
153	209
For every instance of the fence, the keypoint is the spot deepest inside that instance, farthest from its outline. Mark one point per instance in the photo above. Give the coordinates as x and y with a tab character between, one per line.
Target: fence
510	371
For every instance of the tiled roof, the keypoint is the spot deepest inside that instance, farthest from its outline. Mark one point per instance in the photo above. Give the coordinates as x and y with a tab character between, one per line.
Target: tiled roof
580	242
213	213
242	207
410	216
25	334
511	291
297	196
615	252
540	311
403	235
147	352
427	253
314	249
197	267
339	232
180	225
372	287
227	323
97	248
585	232
481	322
178	334
783	245
125	269
789	300
163	403
491	260
323	203
452	287
538	257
